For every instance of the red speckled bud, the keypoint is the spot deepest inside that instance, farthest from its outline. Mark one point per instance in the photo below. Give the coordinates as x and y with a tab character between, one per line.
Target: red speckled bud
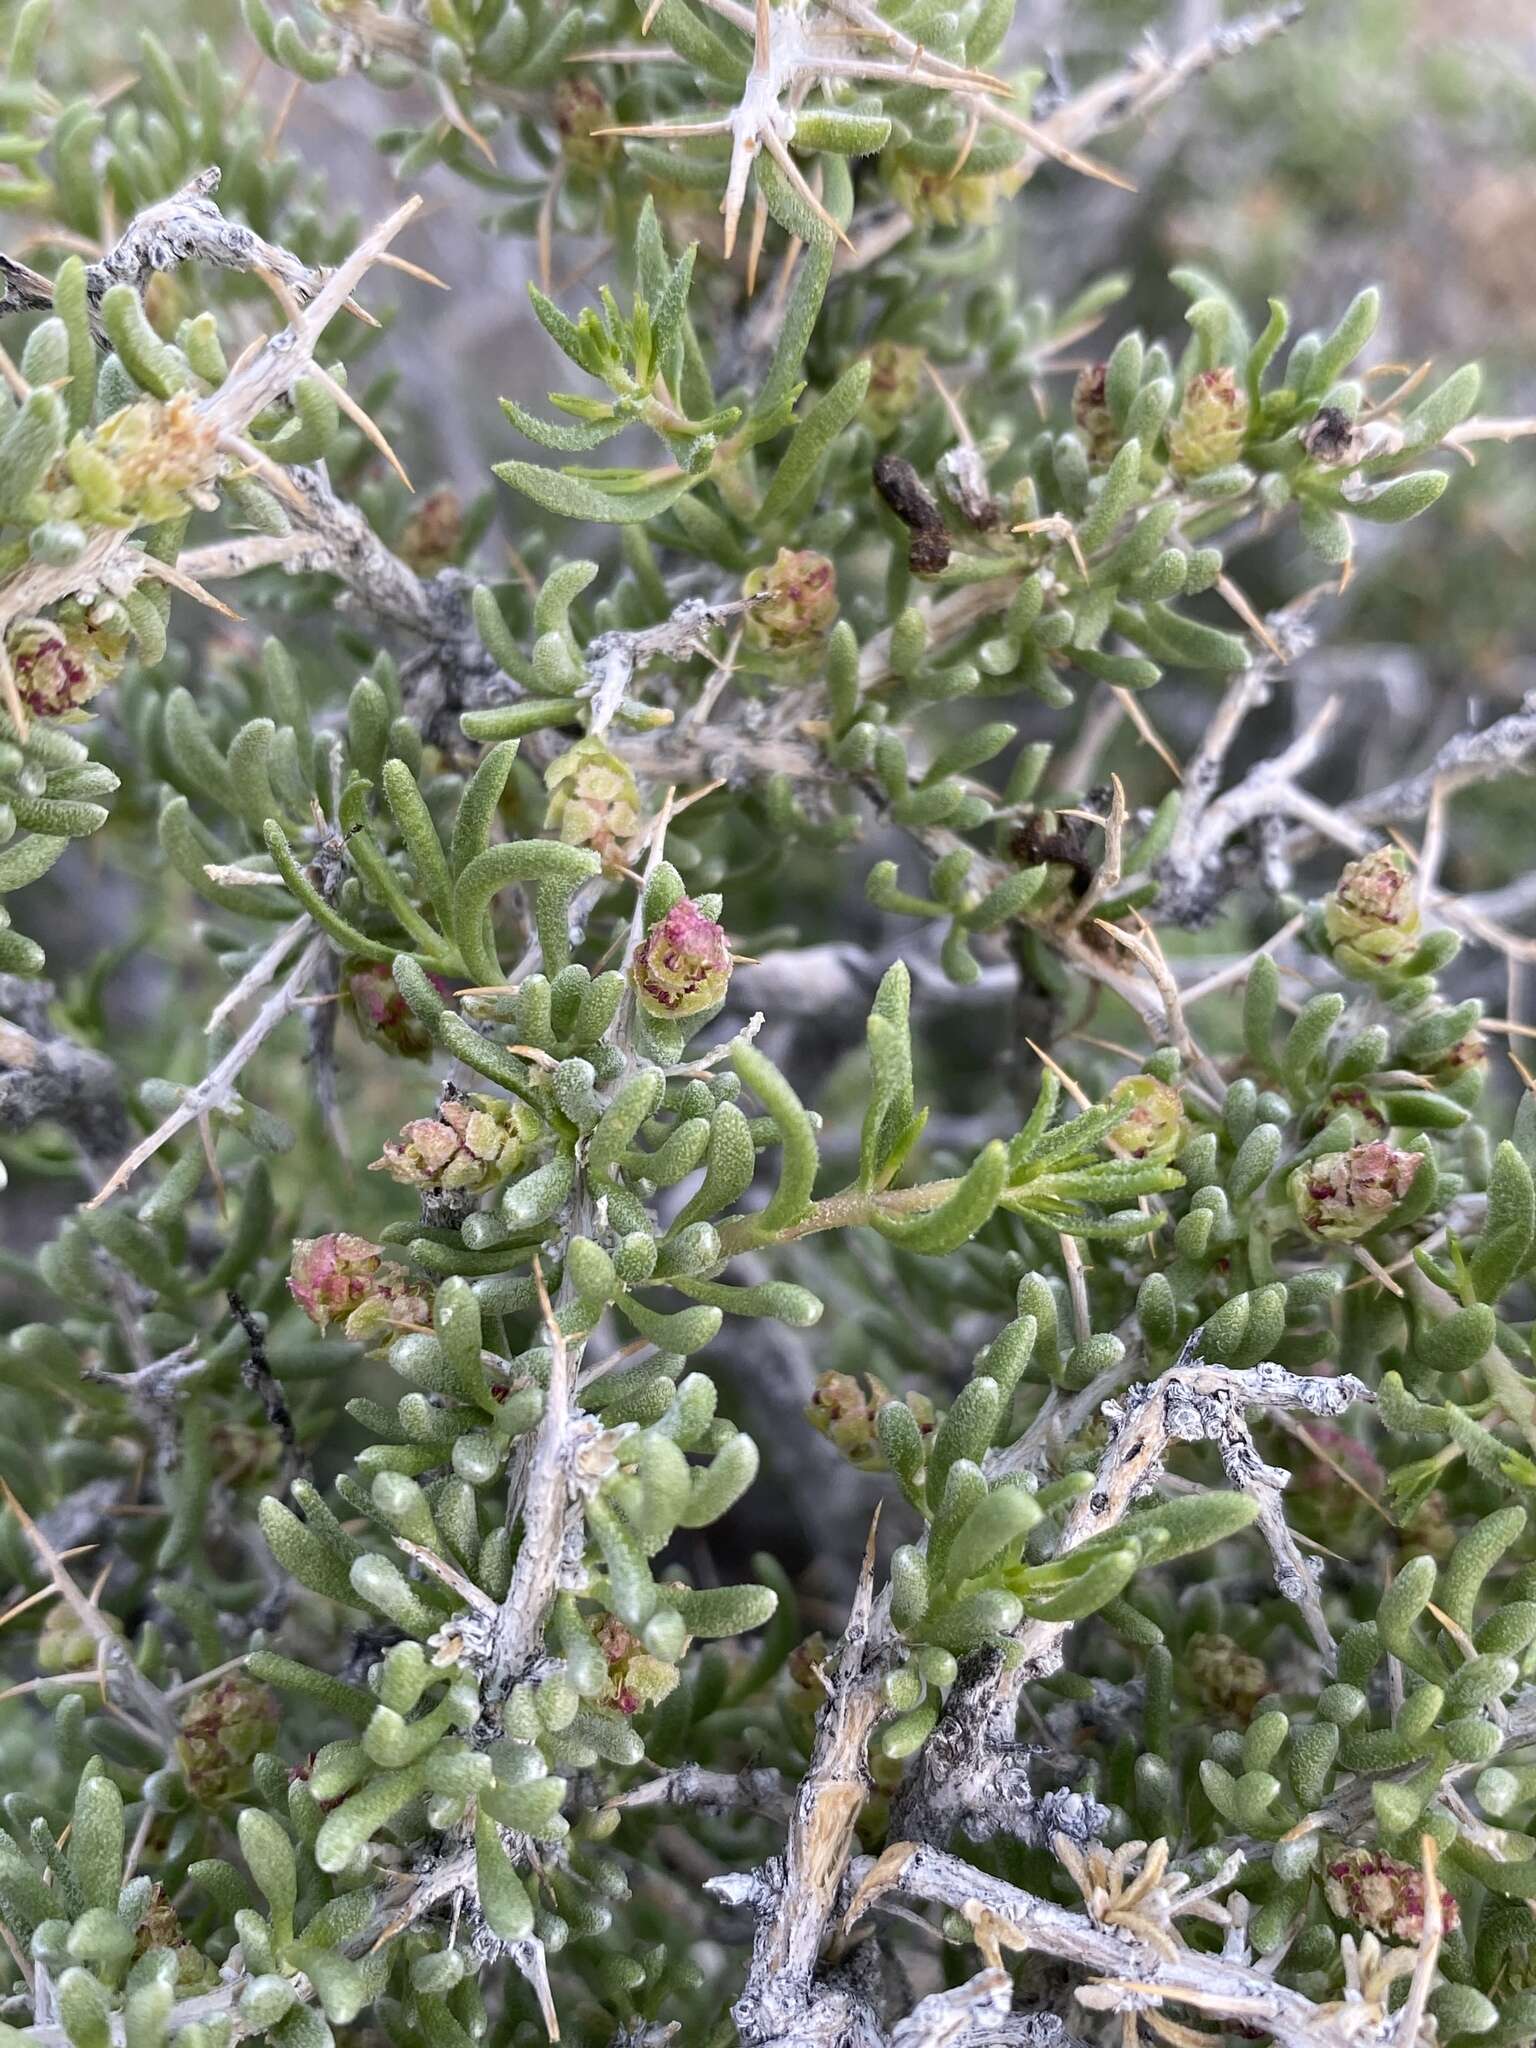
1340	1196
1383	1896
683	964
1372	917
1154	1127
55	677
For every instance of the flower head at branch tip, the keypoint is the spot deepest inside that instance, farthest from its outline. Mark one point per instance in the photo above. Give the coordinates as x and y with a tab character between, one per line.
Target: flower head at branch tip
1211	424
942	200
64	660
432	536
636	1679
1153	1127
473	1142
847	1414
593	798
223	1729
139	464
1341	1196
55	676
1382	1895
347	1279
796	604
683	964
1372	918
65	1643
1225	1677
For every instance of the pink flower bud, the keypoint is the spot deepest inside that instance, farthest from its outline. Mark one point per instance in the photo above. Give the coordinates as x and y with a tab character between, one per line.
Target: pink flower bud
55	676
1372	917
347	1279
683	964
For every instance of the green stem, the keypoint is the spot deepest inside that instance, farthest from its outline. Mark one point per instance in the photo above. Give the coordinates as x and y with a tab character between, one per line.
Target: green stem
844	1211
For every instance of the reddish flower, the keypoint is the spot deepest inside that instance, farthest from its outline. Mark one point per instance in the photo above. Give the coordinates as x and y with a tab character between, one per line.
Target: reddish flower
683	964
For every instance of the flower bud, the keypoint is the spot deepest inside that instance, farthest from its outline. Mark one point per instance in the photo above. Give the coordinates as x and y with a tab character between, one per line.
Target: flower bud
346	1279
593	800
1376	1892
1154	1127
136	466
1090	410
636	1679
160	1927
1372	917
1226	1678
223	1728
1366	1115
895	387
797	605
55	675
806	1694
382	1014
1211	424
1461	1072
580	110
843	1412
1340	1196
473	1142
682	965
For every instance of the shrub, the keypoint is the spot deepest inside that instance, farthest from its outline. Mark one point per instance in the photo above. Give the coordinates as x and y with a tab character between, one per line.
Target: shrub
412	1574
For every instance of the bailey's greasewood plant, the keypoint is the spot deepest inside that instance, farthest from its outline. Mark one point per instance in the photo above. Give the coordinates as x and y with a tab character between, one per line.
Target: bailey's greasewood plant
378	1668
